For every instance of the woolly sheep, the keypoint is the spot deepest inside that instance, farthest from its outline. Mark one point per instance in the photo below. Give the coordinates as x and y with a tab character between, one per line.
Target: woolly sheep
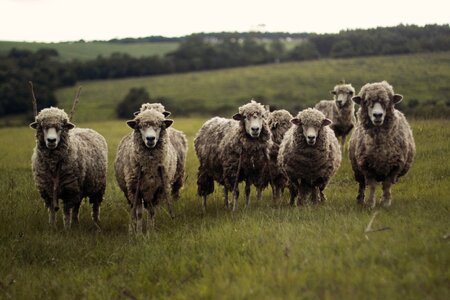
146	164
382	146
178	140
231	151
340	110
279	122
309	155
68	163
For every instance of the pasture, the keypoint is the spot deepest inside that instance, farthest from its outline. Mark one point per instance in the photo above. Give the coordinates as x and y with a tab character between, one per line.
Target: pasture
261	253
90	50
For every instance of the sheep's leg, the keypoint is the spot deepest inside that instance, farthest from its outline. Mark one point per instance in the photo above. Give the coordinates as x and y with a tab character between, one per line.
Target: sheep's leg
75	211
315	195
361	192
302	192
371	199
204	203
259	194
67	211
386	202
294	193
235	198
52	216
225	197
323	198
133	218
150	217
138	211
247	194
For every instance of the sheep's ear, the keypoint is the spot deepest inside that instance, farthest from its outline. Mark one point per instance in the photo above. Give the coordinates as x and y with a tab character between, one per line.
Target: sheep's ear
238	117
357	100
168	123
132	123
274	125
136	113
397	98
326	122
296	121
333	92
166	113
34	125
69	126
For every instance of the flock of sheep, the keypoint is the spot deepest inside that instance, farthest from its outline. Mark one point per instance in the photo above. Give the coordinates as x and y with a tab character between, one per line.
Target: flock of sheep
258	147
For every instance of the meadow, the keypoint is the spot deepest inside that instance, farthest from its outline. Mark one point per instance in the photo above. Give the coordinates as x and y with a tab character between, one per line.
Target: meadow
263	252
90	50
293	86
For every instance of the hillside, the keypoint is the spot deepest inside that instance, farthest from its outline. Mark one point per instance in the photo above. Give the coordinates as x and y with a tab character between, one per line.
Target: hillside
90	50
420	78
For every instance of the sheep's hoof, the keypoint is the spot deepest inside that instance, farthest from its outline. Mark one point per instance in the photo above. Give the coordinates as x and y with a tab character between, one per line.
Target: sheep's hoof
370	205
386	203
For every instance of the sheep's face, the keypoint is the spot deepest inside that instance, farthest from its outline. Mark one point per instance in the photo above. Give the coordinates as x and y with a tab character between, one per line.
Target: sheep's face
377	106
150	130
52	122
253	123
311	122
343	94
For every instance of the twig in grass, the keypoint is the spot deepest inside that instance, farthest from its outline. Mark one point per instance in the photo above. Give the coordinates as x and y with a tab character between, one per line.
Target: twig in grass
75	102
33	99
369	226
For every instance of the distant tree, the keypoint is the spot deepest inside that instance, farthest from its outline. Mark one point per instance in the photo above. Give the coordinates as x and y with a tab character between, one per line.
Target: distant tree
132	102
305	51
277	50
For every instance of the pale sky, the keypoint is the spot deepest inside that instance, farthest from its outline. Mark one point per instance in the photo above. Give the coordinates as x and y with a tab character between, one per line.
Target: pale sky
68	20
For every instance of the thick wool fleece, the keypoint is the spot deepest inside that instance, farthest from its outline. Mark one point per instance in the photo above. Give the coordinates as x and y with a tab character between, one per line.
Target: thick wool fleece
381	152
157	165
221	142
82	156
179	142
343	118
312	166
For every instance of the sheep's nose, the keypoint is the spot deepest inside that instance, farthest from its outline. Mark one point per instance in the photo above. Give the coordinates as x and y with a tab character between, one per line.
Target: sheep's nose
255	129
339	102
377	115
150	139
311	137
51	140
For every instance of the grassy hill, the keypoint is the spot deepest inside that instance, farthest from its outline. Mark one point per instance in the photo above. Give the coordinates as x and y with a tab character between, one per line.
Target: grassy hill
259	253
419	77
90	50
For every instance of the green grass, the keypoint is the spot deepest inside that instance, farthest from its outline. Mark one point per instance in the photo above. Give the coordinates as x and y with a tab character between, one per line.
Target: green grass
259	253
293	86
90	50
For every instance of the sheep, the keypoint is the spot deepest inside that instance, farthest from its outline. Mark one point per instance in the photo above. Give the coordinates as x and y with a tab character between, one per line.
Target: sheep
278	121
178	140
382	146
68	163
231	151
146	165
309	155
340	110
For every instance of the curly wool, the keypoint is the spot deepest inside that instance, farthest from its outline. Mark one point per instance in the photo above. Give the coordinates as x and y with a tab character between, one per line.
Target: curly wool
381	151
82	156
179	142
221	142
314	165
343	118
134	157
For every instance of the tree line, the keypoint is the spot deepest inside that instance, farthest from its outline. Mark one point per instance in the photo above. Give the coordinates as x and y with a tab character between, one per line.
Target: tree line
204	52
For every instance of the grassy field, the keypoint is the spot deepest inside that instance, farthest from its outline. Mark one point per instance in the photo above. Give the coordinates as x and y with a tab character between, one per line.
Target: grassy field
293	86
259	253
90	50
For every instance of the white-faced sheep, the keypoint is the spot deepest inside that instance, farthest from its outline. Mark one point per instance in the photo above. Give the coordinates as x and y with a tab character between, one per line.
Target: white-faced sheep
146	165
231	151
279	122
68	164
178	140
340	110
309	155
382	146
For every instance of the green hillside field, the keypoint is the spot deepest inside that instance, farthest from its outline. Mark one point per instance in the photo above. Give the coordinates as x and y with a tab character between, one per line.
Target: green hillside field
263	252
296	85
90	50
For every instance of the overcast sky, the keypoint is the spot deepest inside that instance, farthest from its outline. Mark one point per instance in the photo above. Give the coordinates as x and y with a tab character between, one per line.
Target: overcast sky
68	20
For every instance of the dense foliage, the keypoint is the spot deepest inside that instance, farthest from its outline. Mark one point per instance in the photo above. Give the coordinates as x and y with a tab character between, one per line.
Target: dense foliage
132	102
